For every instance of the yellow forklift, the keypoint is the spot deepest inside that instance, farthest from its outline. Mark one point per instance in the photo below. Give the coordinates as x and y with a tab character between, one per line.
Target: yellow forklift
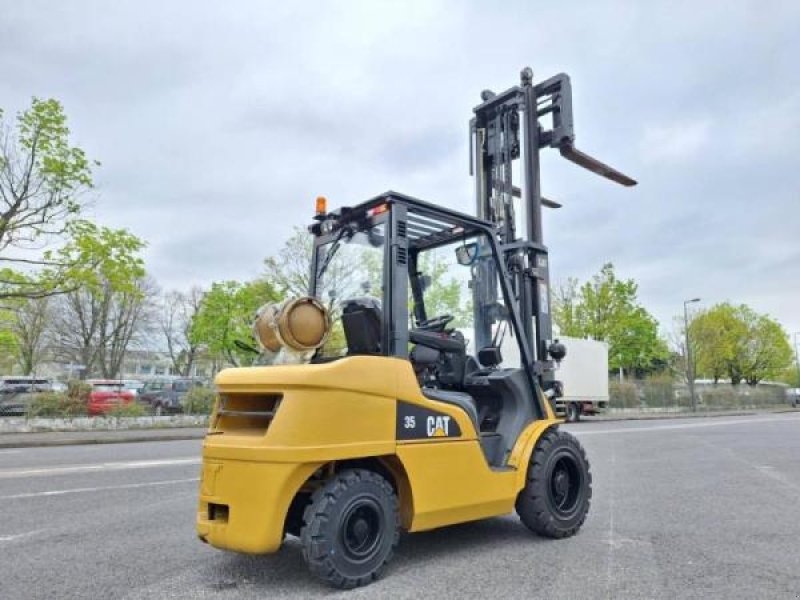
379	414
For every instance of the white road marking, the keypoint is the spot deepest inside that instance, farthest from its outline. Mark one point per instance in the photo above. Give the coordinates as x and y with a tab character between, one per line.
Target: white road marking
126	486
766	470
610	575
98	467
773	473
16	536
711	423
10	451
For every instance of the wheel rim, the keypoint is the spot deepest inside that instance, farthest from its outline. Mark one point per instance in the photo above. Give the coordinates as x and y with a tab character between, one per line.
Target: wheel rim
362	529
565	485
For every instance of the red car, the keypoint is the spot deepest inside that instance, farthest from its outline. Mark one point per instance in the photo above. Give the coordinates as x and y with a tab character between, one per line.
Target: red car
107	394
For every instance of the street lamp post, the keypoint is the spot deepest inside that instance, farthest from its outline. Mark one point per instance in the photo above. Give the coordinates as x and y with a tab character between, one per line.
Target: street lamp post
689	369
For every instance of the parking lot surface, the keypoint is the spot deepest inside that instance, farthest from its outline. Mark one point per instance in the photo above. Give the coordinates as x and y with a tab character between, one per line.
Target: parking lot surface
690	508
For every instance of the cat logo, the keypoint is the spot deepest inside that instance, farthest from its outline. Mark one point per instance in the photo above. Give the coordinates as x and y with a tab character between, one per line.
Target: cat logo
416	422
438	426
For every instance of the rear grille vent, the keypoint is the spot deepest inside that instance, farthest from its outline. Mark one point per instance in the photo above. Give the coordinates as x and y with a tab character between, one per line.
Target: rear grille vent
402	256
401	229
246	414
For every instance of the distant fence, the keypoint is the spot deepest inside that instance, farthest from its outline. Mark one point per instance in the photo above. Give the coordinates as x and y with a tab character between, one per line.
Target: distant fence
661	393
655	394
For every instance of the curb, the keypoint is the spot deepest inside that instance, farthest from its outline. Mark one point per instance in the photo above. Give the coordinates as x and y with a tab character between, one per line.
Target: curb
658	417
85	441
90	425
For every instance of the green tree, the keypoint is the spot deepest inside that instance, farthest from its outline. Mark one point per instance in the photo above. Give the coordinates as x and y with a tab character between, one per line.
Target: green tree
356	270
103	309
790	376
176	312
443	295
90	257
565	300
289	271
9	347
737	342
607	309
767	353
42	181
714	335
100	280
30	323
225	317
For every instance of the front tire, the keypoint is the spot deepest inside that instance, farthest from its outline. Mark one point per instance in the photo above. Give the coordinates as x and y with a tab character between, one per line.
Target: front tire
351	528
558	490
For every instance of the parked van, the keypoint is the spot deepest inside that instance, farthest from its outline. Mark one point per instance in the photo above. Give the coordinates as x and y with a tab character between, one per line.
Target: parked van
16	392
165	396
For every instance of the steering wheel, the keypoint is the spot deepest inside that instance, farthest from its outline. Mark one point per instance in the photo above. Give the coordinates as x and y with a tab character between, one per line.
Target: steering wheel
436	323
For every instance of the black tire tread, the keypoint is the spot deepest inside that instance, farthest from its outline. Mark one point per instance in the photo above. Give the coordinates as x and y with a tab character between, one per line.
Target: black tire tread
531	503
316	547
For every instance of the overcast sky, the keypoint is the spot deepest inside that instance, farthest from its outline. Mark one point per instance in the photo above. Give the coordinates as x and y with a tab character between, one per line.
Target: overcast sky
218	123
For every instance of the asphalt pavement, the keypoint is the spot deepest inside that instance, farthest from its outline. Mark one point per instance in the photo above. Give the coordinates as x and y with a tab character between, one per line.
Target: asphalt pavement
700	508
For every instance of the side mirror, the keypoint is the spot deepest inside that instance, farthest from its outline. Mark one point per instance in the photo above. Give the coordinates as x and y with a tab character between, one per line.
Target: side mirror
424	282
467	254
557	350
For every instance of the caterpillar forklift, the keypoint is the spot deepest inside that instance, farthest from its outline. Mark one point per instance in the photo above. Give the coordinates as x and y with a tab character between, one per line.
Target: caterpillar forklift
377	411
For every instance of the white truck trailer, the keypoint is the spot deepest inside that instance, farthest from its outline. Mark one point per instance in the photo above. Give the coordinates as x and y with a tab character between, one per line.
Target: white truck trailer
584	373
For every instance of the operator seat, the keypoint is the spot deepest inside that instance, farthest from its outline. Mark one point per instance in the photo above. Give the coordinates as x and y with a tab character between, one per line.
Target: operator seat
362	319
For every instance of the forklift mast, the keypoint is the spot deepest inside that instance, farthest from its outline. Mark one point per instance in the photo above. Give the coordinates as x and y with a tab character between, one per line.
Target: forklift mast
507	128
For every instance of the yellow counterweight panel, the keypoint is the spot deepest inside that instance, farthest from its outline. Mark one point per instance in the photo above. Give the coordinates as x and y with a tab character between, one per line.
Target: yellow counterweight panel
375	375
328	412
257	497
352	385
451	483
340	418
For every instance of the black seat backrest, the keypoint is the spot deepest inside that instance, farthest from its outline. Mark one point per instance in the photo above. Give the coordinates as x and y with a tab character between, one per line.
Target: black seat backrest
362	319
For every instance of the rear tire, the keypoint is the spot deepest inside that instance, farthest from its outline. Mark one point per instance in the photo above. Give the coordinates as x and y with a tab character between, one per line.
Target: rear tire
351	528
573	412
558	491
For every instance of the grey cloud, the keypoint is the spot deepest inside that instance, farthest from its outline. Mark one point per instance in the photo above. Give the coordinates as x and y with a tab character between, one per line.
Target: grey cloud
218	124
